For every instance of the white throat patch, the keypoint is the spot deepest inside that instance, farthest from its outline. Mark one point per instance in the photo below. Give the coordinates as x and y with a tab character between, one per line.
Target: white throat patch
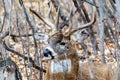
61	66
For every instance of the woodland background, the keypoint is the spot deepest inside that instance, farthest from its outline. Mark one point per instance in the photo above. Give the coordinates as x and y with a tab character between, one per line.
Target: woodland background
20	29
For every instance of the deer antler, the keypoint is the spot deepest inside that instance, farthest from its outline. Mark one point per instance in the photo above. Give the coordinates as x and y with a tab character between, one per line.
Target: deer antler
58	37
86	25
70	30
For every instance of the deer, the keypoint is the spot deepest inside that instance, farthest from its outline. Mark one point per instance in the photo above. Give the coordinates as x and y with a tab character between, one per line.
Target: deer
60	53
60	48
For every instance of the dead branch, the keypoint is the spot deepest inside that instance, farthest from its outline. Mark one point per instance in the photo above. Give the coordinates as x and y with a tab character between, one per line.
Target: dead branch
46	21
4	34
24	57
24	35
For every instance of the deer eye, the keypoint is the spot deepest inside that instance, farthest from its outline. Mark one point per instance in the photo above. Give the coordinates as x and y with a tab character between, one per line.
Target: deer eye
62	43
83	32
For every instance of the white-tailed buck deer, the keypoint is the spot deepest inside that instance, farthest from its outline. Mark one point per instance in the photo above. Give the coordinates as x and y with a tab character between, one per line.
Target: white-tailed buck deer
61	57
61	49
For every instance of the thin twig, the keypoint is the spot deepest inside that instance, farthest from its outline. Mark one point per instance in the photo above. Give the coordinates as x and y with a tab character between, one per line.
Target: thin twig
24	35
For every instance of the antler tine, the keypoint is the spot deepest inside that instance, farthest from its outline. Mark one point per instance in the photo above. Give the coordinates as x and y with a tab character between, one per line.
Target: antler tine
66	32
49	11
71	14
57	18
58	37
86	25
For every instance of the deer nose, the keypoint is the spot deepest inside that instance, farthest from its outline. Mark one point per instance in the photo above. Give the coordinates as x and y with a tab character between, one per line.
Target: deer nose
46	52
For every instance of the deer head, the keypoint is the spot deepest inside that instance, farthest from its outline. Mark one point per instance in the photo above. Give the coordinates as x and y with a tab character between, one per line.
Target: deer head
57	44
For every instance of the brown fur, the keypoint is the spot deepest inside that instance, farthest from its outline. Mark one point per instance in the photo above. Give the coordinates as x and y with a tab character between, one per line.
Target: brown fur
82	71
99	71
72	75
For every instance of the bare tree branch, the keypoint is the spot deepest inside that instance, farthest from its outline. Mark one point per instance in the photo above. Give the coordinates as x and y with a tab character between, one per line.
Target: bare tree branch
24	35
33	31
24	57
46	21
